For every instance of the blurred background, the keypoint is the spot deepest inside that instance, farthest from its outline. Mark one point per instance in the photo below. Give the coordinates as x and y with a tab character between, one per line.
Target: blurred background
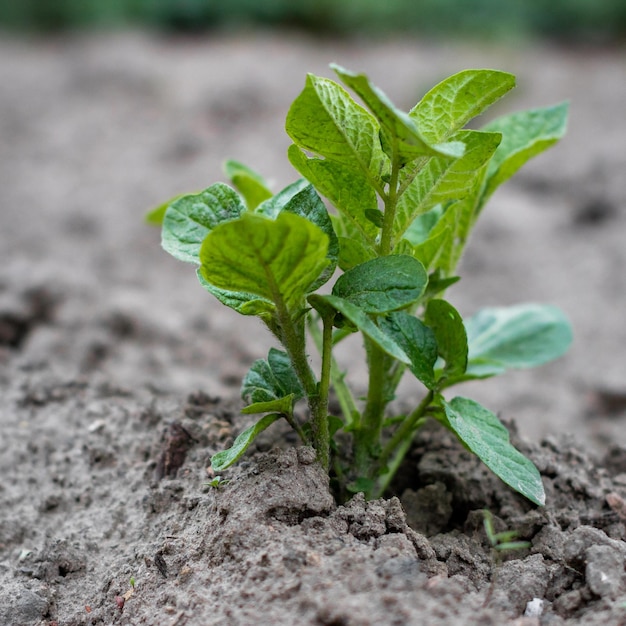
574	21
109	107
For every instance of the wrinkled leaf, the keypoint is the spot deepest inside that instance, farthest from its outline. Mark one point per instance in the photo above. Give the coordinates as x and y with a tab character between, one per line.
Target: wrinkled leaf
452	103
449	330
383	284
249	184
277	260
483	433
417	341
155	216
516	337
191	218
226	458
272	379
398	127
325	120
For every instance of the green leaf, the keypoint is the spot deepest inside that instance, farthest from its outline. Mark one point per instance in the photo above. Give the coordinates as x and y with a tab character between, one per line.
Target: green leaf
383	284
249	184
272	380
449	330
440	181
363	322
398	127
284	406
347	189
483	433
326	121
191	218
226	458
352	252
448	106
418	342
516	337
300	198
155	216
524	135
277	260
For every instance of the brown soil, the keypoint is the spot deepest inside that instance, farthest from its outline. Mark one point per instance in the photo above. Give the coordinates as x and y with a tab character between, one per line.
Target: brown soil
119	375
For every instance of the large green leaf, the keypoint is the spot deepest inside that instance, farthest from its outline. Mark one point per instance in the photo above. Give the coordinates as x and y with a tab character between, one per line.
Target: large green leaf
483	433
448	106
300	198
191	218
362	321
325	120
418	342
277	260
226	458
442	181
383	284
524	135
516	337
450	334
271	379
398	128
347	189
249	184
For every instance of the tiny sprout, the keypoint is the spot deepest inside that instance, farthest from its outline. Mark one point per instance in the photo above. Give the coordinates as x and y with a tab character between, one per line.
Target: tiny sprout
217	482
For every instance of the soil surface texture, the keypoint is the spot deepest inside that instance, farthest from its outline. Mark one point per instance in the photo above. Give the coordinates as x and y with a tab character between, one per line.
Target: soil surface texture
119	375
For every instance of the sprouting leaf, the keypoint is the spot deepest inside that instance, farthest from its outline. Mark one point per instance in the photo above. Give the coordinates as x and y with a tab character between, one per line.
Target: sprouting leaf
383	284
191	218
398	127
272	379
449	330
226	458
249	184
277	260
363	322
417	341
524	135
516	337
326	121
483	433
452	103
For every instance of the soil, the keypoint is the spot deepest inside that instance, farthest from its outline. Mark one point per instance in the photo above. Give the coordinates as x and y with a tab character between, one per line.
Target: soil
119	375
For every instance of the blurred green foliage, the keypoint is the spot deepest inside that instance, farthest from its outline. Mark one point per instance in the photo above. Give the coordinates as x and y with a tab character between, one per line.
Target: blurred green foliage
577	21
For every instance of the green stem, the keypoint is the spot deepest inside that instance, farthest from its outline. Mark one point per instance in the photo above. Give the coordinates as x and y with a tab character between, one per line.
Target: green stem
390	200
321	435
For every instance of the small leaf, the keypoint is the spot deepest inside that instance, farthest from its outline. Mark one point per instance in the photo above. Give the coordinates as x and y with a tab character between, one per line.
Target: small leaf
516	337
249	184
375	216
524	135
448	106
383	284
277	260
284	406
483	433
418	342
191	218
450	334
271	380
325	120
225	458
363	322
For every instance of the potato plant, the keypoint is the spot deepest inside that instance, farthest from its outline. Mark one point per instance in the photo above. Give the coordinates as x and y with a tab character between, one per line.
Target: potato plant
406	190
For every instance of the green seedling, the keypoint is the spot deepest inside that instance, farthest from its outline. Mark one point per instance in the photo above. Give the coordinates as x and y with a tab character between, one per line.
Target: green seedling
406	190
505	541
217	483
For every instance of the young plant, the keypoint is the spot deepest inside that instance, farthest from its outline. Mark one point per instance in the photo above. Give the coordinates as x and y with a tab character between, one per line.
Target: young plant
407	189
